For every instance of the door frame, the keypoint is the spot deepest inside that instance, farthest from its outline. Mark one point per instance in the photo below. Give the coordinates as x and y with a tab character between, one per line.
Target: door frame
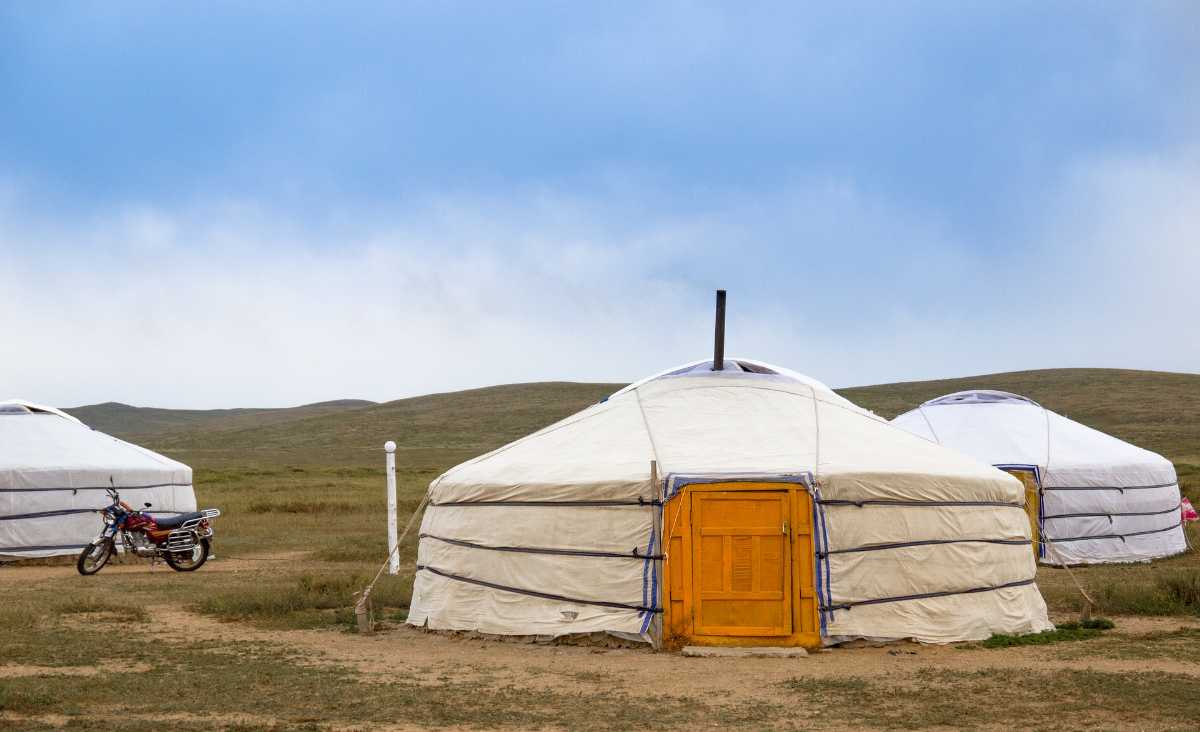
1036	526
677	603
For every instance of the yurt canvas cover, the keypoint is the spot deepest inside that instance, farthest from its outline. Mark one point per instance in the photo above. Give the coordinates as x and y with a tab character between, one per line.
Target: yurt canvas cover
562	531
53	472
1102	499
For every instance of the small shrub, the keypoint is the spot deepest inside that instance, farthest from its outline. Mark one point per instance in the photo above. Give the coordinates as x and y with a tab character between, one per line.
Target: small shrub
1098	624
1064	632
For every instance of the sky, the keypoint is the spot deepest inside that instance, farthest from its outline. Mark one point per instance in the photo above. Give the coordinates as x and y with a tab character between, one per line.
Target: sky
268	204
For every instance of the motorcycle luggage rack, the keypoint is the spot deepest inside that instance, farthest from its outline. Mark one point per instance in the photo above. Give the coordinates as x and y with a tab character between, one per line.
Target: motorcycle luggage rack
208	513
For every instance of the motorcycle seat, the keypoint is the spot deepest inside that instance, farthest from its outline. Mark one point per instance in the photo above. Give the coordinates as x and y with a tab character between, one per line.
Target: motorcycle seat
172	522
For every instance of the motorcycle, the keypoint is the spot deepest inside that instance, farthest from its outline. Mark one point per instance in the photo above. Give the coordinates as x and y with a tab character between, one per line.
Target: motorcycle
182	541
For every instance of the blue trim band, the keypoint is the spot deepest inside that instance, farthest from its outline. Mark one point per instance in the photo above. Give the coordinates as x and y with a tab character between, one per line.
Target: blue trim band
678	481
825	542
649	590
819	549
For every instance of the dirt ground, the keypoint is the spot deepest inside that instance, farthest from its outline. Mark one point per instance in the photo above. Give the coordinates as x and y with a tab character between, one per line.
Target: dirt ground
826	683
401	649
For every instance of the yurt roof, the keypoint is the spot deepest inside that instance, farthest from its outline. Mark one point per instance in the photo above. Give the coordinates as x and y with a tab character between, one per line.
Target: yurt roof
736	367
21	406
980	396
692	420
45	448
1008	429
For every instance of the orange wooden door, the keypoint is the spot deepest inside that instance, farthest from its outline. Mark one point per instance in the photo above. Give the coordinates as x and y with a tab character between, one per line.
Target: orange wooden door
741	564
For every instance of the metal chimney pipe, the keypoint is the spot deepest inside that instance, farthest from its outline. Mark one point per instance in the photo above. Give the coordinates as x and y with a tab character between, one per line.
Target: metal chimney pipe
719	334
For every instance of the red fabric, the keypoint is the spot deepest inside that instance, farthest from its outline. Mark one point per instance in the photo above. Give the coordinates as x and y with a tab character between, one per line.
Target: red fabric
1189	512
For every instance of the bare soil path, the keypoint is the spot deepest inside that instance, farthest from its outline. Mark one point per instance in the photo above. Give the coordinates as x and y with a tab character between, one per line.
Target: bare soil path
1102	680
399	650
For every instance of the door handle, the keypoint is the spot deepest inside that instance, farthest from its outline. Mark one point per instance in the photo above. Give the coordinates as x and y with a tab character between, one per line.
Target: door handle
784	530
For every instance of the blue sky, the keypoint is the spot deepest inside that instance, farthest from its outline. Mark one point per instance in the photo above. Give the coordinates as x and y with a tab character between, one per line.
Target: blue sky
224	205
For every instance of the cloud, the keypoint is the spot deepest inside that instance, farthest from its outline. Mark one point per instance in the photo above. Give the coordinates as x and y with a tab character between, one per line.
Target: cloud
231	304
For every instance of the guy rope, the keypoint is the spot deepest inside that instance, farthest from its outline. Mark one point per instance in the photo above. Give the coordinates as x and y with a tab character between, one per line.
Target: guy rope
362	605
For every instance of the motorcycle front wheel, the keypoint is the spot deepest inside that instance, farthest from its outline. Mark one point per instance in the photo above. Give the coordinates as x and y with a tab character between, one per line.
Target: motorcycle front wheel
188	561
94	556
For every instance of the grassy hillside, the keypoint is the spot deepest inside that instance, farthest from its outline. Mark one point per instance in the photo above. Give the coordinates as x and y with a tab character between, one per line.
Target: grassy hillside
124	420
464	423
1153	409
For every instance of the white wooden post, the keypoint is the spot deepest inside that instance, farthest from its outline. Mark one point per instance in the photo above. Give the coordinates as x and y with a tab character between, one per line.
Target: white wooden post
393	556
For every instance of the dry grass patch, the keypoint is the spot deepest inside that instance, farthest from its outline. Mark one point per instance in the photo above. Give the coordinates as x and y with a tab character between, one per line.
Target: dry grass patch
1164	592
953	699
304	601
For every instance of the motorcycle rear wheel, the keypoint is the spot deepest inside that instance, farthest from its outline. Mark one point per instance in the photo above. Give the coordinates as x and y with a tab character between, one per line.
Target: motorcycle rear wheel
94	556
188	561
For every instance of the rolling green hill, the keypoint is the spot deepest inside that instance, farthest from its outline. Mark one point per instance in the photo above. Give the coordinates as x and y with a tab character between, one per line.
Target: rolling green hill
124	420
1153	409
465	423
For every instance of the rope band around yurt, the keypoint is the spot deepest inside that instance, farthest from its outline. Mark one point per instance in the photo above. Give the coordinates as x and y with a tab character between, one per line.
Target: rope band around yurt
641	502
923	542
1122	537
926	595
1109	515
634	554
535	593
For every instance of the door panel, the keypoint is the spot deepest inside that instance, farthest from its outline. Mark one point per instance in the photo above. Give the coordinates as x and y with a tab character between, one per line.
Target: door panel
741	563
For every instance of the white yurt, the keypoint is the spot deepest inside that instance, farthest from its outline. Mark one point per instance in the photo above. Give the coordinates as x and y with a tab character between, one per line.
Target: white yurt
748	505
1099	499
53	472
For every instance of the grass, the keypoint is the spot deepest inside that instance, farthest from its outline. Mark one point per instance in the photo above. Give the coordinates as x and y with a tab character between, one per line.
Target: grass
301	506
1061	699
304	492
448	428
122	612
1166	645
1063	632
1170	592
304	601
272	688
122	419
